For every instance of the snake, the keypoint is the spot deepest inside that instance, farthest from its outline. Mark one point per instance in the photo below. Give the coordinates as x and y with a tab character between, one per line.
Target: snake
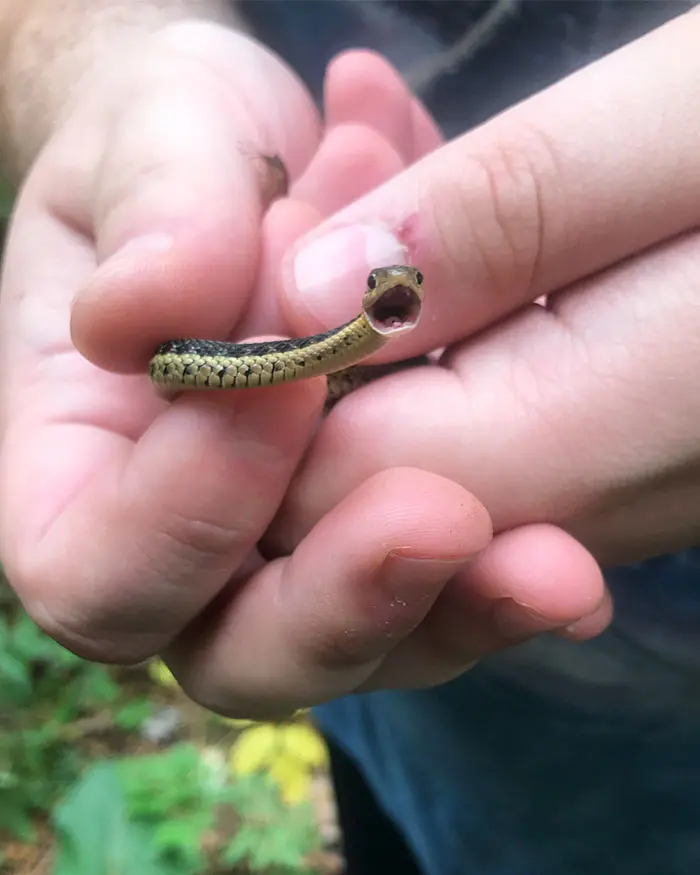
391	307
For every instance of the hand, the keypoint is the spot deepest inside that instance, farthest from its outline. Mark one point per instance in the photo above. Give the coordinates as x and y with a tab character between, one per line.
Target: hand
584	414
148	203
129	524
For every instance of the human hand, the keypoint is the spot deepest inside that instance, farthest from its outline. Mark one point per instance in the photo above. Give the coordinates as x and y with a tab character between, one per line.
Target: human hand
584	414
147	202
128	524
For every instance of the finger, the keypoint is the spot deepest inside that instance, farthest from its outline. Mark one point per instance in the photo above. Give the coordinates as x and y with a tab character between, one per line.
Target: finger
314	625
351	160
175	210
362	87
527	582
427	136
591	625
115	544
557	401
113	504
546	193
283	223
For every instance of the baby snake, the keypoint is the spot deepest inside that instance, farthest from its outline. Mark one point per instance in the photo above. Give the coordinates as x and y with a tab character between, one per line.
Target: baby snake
391	306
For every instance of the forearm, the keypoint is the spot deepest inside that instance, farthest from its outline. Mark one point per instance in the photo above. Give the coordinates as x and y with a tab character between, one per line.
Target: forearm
48	47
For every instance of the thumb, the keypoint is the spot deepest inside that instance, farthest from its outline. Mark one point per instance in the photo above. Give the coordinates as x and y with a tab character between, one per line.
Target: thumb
535	199
175	207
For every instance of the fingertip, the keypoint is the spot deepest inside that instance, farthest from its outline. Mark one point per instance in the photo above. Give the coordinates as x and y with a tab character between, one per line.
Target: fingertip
363	87
157	287
527	582
353	159
378	560
430	505
427	136
592	625
543	569
393	111
285	221
419	513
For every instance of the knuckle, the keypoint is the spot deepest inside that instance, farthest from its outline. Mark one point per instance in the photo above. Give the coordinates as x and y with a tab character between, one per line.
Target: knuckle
201	542
82	624
500	211
87	636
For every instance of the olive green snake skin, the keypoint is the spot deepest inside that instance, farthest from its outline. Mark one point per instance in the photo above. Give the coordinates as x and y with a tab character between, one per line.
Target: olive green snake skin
391	306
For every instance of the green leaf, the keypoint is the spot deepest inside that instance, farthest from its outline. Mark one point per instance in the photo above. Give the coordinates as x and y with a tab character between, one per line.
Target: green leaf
241	847
30	643
272	836
181	840
15	680
165	784
97	687
133	714
95	836
15	818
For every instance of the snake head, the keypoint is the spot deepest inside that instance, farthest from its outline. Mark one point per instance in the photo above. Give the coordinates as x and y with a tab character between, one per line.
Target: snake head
394	298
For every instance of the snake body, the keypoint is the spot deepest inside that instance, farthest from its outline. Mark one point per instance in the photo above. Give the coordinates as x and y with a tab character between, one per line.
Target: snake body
391	306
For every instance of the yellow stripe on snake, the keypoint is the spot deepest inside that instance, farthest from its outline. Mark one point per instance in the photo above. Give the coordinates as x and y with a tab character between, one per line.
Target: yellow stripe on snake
391	307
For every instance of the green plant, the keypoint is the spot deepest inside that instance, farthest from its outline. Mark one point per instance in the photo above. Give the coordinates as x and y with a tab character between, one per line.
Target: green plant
182	811
176	795
48	698
163	814
95	834
273	837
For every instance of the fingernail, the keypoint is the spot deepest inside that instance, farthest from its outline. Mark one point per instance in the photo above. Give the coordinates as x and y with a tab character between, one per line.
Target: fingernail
515	622
590	625
335	266
577	628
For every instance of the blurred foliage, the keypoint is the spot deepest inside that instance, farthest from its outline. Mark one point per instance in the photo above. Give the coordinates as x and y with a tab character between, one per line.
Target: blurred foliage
159	815
290	753
95	834
186	809
46	695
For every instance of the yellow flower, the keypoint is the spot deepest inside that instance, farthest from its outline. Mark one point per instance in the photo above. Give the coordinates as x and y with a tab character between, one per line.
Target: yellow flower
159	672
289	753
254	749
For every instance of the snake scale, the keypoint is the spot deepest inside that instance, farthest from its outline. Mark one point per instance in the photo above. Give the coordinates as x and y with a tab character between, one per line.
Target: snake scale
391	307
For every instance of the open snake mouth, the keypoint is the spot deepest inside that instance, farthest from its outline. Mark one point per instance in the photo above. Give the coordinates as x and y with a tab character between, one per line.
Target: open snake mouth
398	308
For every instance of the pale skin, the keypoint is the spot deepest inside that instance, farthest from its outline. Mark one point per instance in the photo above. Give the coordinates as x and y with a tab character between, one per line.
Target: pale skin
123	516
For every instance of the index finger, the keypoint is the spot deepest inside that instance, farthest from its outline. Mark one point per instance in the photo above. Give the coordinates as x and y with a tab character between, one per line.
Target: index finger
600	166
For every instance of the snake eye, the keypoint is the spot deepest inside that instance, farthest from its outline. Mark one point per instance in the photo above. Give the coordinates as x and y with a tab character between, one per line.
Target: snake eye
419	278
372	281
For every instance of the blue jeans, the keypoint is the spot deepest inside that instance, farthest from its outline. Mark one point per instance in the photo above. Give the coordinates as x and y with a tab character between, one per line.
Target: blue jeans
539	764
